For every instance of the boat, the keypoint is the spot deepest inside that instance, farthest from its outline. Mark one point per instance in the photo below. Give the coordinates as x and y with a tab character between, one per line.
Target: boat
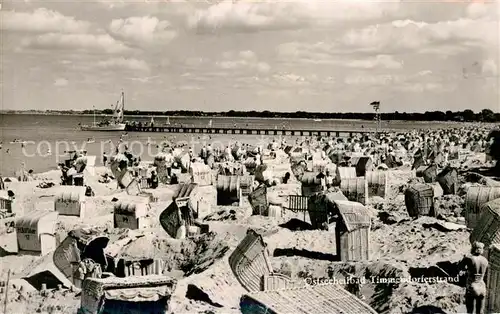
91	140
116	124
317	120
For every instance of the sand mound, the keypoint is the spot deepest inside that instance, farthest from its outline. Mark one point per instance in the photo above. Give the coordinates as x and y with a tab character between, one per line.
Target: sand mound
216	286
377	290
398	180
54	302
278	195
190	256
417	243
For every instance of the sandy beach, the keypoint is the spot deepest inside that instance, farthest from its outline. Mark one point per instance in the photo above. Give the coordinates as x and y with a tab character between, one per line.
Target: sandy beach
401	246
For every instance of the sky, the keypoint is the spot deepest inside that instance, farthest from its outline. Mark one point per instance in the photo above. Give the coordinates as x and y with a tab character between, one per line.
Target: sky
308	55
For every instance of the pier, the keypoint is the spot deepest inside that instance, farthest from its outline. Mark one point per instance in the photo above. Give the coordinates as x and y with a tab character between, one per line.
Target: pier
244	131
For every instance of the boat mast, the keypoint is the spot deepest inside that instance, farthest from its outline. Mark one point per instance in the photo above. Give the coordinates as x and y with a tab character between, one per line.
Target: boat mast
122	107
94	114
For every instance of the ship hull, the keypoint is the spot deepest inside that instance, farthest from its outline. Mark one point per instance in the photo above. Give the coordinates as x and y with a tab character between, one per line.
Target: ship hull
111	127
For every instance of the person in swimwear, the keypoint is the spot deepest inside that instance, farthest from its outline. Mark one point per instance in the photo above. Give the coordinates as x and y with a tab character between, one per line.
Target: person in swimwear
475	290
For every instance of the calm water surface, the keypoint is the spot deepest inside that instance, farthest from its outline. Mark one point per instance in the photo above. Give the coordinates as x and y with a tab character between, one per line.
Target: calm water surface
56	132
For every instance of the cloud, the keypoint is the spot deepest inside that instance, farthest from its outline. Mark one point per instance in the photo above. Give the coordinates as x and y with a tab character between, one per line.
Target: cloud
292	79
60	82
372	80
379	61
317	53
124	64
247	54
272	15
425	87
102	43
242	60
486	68
42	21
289	80
422	81
242	64
193	61
412	36
489	68
144	79
188	88
477	10
142	30
322	53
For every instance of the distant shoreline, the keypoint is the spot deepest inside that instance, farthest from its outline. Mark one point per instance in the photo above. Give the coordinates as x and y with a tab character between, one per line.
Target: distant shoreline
223	117
435	116
165	116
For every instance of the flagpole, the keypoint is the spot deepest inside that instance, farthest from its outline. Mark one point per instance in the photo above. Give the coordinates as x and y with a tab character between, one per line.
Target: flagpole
379	119
376	107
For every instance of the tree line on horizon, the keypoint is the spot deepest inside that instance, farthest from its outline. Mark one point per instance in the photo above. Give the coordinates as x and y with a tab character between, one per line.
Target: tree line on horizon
485	115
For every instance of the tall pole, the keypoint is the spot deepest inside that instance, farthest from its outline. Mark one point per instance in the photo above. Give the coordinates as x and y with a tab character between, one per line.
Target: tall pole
376	107
6	293
379	120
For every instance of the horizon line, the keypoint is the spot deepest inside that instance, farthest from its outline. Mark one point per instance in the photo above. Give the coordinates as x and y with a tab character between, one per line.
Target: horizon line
69	111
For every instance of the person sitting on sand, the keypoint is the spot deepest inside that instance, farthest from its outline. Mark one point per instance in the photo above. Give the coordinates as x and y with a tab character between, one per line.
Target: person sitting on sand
174	179
475	290
104	178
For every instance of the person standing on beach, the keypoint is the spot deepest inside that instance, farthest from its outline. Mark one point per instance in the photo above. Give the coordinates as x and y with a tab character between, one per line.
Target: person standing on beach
104	159
203	153
475	290
169	162
154	180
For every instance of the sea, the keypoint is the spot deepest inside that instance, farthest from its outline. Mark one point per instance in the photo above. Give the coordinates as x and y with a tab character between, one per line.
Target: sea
48	137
